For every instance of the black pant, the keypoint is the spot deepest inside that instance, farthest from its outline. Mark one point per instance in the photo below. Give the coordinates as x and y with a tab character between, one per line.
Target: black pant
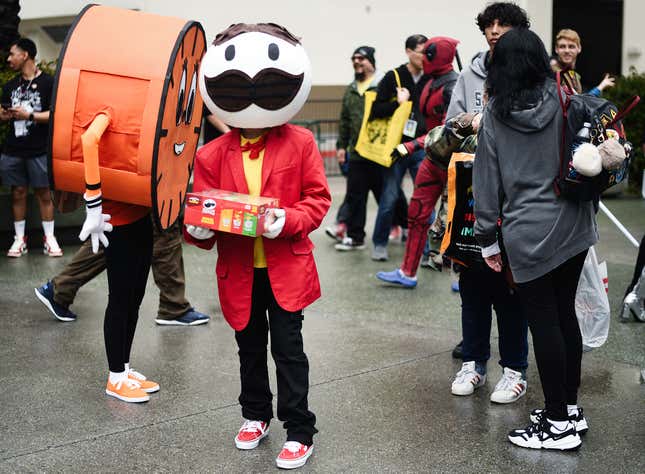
480	289
128	263
638	269
549	306
292	366
401	211
167	270
343	211
363	176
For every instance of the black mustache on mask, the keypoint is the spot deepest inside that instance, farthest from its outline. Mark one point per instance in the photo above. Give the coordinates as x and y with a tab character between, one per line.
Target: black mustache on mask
270	89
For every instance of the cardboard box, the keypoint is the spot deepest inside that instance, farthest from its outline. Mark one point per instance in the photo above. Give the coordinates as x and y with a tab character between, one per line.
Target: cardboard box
227	211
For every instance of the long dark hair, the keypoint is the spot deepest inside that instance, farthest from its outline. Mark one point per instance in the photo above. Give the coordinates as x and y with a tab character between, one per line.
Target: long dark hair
517	71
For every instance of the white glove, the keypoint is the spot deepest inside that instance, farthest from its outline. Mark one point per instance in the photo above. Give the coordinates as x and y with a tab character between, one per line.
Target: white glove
96	223
199	233
273	223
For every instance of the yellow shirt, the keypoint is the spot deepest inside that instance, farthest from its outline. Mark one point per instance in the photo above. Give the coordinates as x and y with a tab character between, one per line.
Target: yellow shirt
253	175
362	86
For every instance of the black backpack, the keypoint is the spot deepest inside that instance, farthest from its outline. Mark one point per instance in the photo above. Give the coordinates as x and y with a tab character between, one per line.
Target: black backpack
602	115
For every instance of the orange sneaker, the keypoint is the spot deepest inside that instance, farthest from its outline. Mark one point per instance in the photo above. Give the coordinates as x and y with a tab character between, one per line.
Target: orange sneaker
147	386
127	390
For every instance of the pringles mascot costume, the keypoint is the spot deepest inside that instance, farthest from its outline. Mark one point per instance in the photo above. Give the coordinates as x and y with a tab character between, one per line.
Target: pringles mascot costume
256	78
125	125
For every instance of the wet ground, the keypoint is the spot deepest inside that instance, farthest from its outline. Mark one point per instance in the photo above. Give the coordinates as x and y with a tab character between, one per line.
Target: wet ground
380	378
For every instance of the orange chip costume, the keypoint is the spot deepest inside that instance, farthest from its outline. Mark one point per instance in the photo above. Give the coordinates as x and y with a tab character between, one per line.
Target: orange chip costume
124	125
147	84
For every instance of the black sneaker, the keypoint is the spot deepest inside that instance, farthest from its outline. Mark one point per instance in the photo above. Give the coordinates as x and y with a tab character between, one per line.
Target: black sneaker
458	351
46	295
543	435
349	244
577	418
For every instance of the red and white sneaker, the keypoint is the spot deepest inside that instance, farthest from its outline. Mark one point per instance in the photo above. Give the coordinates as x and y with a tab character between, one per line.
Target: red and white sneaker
510	387
250	434
396	234
18	248
467	380
51	247
293	455
336	231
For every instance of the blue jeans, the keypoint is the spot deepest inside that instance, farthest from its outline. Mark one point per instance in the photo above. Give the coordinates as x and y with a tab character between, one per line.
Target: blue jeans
392	179
480	288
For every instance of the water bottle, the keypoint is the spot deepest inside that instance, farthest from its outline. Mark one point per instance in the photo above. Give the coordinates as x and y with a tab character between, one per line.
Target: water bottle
583	136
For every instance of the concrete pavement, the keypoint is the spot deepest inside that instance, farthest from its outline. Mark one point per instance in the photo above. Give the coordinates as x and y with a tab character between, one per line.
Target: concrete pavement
380	378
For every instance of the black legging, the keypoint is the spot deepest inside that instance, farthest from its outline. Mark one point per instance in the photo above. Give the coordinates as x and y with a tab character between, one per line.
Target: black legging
549	306
128	259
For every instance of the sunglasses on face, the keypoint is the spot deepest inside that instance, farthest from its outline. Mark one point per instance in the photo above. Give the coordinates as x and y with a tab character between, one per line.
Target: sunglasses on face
357	58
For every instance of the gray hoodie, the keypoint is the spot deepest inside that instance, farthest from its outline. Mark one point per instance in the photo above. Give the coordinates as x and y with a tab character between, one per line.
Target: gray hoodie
468	94
516	161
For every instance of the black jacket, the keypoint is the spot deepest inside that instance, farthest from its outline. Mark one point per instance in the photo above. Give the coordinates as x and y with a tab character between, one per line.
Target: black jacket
385	103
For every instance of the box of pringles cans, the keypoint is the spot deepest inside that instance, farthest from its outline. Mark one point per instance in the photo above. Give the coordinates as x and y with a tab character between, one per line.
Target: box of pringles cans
227	211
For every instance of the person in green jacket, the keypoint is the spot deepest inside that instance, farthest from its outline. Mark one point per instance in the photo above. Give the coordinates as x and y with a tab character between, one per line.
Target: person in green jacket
363	175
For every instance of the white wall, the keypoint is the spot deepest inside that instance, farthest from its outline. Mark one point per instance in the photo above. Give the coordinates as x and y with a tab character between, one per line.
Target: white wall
35	9
633	35
541	16
331	29
48	49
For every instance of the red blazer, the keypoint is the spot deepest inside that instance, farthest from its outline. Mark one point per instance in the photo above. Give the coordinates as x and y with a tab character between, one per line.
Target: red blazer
292	171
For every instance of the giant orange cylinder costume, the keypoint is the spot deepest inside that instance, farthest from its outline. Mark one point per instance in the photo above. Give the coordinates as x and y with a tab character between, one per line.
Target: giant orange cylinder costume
143	69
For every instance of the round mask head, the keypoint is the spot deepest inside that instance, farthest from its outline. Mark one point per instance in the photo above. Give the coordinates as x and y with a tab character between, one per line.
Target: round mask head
255	76
438	54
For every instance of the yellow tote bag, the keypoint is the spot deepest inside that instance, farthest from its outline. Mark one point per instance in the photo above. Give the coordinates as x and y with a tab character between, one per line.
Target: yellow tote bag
378	137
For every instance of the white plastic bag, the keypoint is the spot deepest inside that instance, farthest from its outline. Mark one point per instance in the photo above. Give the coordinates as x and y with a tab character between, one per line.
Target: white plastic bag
592	304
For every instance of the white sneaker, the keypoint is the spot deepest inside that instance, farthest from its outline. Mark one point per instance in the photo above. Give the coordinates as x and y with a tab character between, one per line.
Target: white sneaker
467	380
18	248
509	388
576	416
379	253
544	435
51	247
348	244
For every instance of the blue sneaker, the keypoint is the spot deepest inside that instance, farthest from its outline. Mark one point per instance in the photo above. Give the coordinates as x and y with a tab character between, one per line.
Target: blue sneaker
396	277
46	295
189	318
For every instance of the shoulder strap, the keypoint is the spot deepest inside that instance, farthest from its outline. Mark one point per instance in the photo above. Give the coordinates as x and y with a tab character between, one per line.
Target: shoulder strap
396	77
444	79
564	104
627	109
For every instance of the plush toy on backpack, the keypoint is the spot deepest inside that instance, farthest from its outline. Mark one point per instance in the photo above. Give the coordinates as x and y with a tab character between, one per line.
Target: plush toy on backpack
589	160
593	140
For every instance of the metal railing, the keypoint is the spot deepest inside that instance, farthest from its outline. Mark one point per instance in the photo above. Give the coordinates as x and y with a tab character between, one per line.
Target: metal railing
326	134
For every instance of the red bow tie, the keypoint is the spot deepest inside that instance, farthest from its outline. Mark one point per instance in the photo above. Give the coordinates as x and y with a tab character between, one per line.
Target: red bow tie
254	148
